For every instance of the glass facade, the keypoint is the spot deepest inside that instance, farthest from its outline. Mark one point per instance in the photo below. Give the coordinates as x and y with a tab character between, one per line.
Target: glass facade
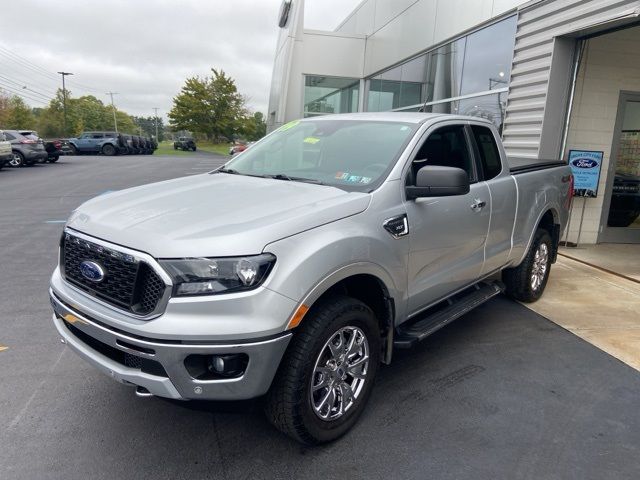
324	95
469	67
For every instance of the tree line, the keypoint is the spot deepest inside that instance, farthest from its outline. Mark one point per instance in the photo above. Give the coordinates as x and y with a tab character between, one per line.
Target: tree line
212	108
84	113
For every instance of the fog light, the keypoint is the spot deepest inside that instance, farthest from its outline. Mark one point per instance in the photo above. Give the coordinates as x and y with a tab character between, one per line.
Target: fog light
216	367
227	365
218	364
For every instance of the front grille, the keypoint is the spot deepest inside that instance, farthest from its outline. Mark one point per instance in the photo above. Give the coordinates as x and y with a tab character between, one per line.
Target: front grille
127	282
145	365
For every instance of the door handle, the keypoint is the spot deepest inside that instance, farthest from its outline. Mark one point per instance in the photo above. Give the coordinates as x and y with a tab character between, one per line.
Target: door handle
478	205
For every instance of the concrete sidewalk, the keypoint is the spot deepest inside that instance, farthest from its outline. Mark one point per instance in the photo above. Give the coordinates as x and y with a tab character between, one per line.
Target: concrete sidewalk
597	306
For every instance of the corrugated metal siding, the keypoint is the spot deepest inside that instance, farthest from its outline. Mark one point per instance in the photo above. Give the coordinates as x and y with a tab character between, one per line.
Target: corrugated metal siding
538	25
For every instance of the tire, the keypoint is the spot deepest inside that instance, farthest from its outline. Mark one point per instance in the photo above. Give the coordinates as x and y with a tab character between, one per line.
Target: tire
175	147
194	149
54	159
74	150
17	160
108	150
527	281
293	405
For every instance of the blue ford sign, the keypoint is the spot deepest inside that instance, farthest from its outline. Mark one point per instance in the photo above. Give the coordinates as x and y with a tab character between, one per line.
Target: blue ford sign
92	271
585	167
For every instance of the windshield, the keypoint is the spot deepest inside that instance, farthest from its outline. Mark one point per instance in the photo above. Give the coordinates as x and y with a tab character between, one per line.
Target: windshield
350	154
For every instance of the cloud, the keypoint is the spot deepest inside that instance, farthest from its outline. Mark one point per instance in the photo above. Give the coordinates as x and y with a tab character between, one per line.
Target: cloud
142	49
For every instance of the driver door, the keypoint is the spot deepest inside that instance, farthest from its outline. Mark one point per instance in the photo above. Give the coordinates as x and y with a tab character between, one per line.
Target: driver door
447	234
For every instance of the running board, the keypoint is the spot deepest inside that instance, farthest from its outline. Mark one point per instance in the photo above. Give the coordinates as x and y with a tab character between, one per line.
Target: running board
444	313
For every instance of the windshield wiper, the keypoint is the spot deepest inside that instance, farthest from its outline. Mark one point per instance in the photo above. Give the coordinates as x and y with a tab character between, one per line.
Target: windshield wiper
283	176
228	170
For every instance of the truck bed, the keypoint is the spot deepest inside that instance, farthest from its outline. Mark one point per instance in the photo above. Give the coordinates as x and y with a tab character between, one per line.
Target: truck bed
519	165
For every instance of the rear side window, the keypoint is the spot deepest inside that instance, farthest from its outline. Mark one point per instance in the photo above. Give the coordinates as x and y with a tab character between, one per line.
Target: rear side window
97	135
9	136
489	153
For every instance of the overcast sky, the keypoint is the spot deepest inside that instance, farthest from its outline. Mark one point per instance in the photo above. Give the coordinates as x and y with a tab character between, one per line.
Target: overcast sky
142	49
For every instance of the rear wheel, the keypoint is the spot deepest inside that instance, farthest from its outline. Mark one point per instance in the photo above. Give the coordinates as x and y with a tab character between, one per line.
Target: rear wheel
108	150
17	160
54	159
527	281
327	374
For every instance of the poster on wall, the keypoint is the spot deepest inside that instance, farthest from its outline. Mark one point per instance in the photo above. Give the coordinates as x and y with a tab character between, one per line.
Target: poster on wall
585	166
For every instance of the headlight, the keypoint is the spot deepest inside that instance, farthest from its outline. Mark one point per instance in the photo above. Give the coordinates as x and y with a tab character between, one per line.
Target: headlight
208	276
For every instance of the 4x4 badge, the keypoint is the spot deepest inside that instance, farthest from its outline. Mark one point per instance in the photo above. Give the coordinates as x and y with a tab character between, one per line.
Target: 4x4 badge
397	226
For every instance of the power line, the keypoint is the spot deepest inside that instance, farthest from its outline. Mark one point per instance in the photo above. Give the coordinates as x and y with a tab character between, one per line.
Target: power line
23	86
21	94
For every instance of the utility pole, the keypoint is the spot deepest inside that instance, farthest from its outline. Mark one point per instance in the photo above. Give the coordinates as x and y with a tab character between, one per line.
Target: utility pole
155	109
113	107
64	102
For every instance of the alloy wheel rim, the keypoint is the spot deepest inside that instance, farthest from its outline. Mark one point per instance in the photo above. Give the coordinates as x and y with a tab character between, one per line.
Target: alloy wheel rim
15	160
340	373
540	262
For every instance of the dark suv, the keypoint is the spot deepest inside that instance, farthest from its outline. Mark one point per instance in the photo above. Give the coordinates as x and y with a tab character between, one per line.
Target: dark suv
185	143
26	146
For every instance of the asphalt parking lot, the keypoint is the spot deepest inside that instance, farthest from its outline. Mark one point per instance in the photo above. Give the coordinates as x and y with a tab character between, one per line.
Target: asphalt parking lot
501	393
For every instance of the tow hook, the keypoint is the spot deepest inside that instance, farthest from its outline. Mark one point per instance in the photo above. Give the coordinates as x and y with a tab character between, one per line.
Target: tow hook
143	392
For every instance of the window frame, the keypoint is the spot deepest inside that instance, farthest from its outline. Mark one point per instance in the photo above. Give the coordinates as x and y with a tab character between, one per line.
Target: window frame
475	177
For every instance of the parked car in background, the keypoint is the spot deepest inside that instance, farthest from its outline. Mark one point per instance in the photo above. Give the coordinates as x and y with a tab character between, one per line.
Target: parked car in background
625	200
54	149
185	143
237	148
5	150
27	148
106	143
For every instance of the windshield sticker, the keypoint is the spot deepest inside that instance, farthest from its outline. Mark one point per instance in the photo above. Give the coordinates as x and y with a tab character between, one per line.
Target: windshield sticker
365	179
342	176
288	126
311	140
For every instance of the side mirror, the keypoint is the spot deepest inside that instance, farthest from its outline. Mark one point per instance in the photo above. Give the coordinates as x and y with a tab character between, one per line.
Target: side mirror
439	182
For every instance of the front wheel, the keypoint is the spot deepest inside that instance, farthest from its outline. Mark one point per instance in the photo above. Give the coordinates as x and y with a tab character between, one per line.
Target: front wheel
74	150
17	160
527	281
328	372
54	159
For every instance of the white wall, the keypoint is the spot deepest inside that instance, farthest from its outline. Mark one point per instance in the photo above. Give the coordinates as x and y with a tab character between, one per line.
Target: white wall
611	64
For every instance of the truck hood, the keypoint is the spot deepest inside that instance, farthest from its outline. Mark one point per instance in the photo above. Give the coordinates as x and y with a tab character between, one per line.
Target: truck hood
212	214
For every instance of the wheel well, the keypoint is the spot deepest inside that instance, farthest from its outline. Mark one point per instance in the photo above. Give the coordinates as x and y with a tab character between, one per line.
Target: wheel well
370	291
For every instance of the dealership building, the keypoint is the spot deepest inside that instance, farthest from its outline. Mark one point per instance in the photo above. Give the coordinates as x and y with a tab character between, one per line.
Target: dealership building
559	78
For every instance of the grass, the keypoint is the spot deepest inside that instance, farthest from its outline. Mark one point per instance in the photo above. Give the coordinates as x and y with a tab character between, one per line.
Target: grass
166	148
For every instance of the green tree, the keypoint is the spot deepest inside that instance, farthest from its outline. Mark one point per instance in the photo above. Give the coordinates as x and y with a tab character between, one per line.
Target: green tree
148	126
254	127
209	106
20	115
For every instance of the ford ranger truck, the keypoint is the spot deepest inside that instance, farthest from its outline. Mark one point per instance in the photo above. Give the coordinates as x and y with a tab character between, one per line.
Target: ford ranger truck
295	270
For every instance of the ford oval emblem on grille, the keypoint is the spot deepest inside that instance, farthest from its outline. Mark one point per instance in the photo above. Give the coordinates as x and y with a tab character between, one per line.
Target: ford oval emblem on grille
92	271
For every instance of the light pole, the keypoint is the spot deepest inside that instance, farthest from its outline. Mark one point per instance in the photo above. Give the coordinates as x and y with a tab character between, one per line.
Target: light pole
155	109
64	102
113	107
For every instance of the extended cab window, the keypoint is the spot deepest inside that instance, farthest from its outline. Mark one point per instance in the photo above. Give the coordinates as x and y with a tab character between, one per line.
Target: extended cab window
488	150
97	135
446	147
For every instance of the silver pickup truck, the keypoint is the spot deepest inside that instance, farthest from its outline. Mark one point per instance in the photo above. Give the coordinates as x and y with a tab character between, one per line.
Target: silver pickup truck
296	269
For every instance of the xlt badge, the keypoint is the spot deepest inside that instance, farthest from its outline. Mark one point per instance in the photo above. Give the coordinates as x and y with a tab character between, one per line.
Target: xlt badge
397	226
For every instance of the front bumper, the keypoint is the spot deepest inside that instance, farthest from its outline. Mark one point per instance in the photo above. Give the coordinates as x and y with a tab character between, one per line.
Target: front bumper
159	364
